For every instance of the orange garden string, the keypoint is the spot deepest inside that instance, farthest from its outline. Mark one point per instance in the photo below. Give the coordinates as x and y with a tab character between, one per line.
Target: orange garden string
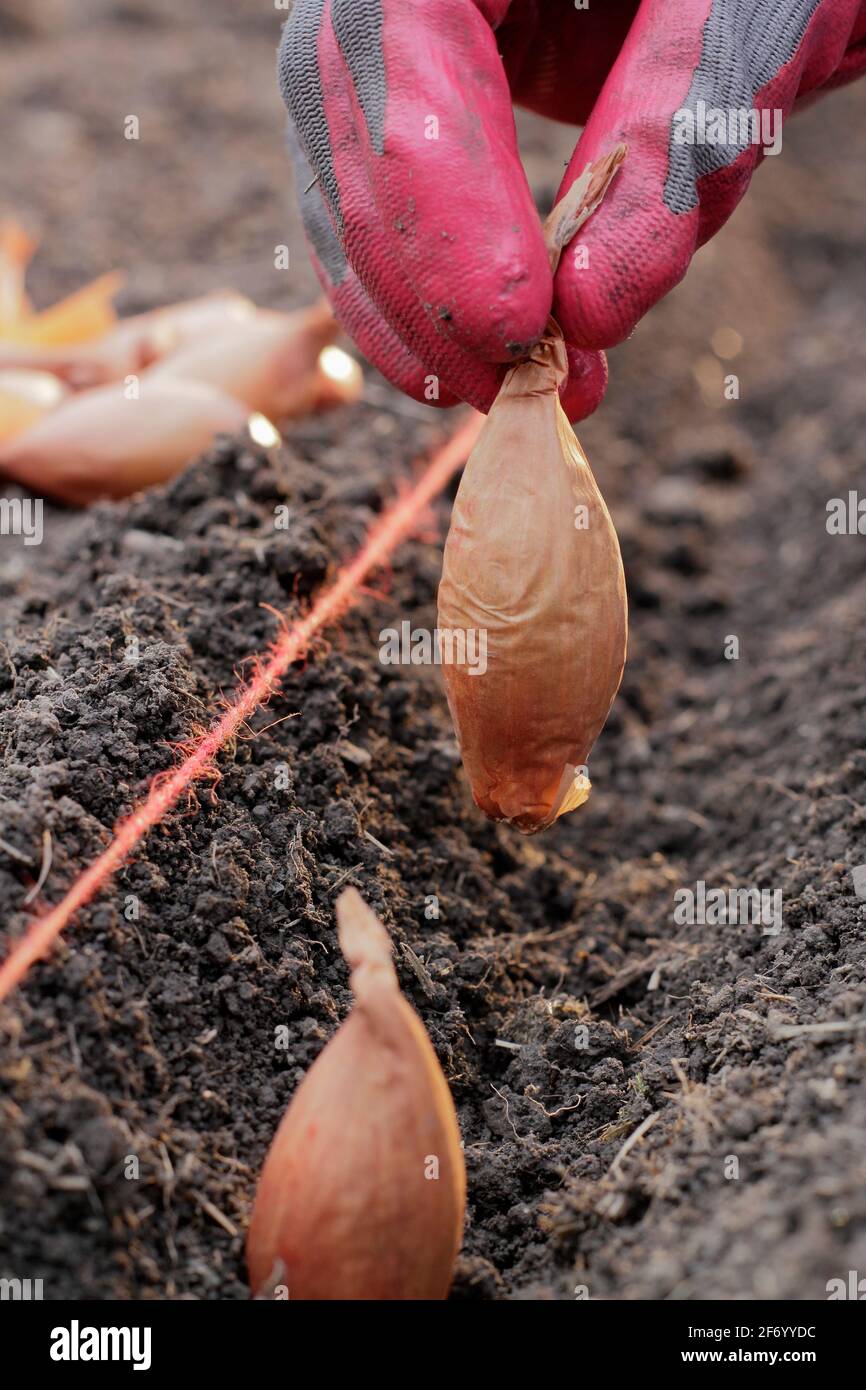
395	525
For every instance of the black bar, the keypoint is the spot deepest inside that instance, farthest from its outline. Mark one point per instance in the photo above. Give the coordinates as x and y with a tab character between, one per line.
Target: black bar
254	1340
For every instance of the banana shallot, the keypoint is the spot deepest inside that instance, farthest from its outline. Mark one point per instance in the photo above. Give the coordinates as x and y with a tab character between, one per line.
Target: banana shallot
532	562
363	1190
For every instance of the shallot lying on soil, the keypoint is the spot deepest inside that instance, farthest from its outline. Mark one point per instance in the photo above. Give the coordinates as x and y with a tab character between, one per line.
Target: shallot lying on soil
363	1191
270	361
103	443
115	439
152	389
132	343
532	562
25	396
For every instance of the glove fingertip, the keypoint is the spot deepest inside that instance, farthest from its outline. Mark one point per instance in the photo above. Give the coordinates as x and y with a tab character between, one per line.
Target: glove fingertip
621	268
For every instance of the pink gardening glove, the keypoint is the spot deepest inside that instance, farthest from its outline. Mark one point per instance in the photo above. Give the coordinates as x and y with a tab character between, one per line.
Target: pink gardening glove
421	222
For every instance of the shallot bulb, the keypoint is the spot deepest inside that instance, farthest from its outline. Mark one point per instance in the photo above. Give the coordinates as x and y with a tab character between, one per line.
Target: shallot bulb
105	443
25	396
363	1190
532	576
132	343
270	361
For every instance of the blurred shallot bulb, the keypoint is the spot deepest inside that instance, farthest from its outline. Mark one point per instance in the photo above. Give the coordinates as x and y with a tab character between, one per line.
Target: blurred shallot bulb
175	325
16	251
56	339
132	343
143	339
80	318
363	1191
272	362
25	396
108	443
153	389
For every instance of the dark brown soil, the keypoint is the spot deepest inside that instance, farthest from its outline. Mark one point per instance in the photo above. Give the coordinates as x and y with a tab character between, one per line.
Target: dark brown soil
602	1158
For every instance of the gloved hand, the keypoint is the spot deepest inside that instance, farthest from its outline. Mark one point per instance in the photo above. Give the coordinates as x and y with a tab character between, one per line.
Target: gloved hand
415	202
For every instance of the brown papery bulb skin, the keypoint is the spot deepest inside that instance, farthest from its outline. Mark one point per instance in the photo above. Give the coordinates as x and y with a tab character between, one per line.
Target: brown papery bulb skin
363	1191
532	561
25	396
102	443
269	361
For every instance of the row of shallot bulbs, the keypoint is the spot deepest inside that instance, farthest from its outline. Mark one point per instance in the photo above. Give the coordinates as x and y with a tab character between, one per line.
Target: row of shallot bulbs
92	406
